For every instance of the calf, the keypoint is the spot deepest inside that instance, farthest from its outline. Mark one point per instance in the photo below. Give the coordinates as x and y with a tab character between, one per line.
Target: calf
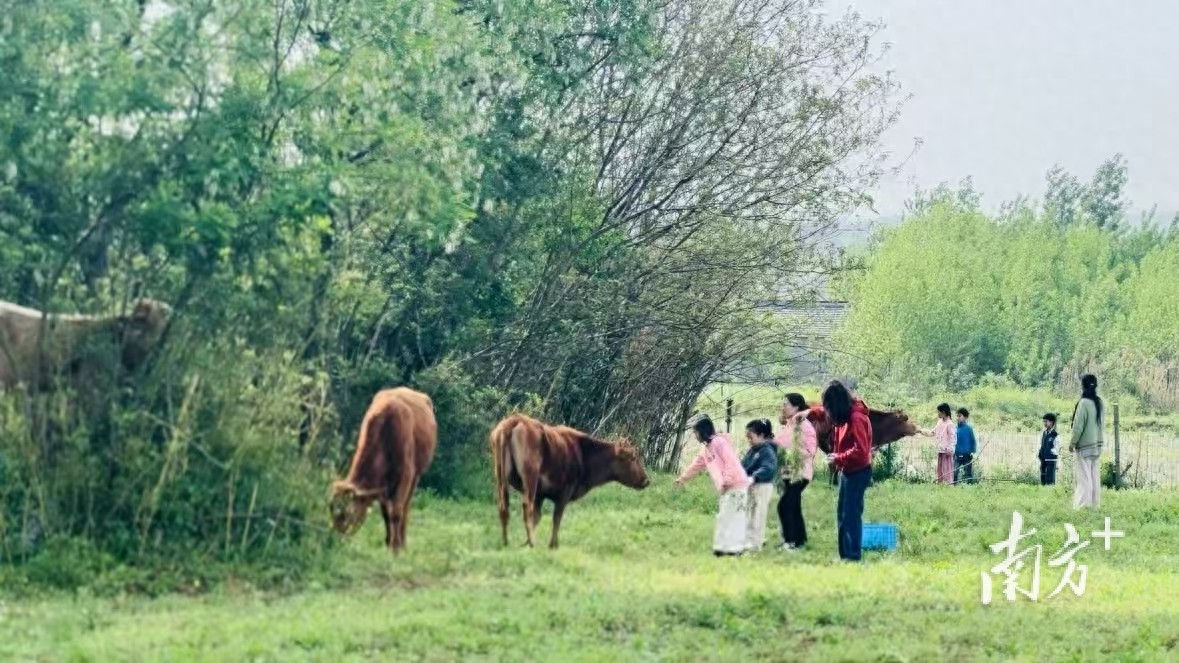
397	441
556	463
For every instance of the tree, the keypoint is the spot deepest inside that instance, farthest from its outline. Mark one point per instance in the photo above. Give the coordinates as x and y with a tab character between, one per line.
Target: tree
1104	201
1068	201
697	173
1064	198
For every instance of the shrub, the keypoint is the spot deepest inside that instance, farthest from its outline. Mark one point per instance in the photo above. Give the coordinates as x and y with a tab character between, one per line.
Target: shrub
466	414
200	458
887	463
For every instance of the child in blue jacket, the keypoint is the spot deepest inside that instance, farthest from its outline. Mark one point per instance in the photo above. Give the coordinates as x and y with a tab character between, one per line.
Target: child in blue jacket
761	464
965	447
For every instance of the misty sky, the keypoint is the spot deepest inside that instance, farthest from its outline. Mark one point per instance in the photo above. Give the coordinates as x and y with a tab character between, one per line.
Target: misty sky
1003	89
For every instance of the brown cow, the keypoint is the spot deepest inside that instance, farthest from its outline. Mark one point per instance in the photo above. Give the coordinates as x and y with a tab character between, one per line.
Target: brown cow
35	347
887	427
397	440
556	463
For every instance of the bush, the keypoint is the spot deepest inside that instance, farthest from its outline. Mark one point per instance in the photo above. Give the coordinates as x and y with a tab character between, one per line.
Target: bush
200	458
886	464
466	414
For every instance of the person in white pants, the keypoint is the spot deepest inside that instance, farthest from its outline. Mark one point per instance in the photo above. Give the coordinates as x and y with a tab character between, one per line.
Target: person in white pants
761	464
718	457
1088	436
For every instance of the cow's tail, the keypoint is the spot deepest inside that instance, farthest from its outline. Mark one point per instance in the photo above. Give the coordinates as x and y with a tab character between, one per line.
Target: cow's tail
501	459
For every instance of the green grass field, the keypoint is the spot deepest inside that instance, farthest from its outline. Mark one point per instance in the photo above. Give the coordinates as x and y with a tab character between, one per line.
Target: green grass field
635	580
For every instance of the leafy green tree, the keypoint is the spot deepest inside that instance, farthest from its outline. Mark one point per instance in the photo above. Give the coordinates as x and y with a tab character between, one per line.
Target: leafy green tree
1100	202
1152	306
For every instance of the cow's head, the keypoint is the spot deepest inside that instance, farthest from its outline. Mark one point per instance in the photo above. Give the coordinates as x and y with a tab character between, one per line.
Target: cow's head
888	427
142	329
348	507
627	467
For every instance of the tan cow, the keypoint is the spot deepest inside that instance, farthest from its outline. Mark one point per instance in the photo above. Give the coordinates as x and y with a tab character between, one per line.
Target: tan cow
396	445
35	348
556	463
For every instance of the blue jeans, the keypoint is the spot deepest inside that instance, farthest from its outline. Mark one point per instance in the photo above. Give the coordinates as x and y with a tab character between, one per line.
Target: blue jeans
849	513
965	463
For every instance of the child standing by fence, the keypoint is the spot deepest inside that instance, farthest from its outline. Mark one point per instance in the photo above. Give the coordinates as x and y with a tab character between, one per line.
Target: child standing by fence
946	438
761	464
1049	453
724	468
964	447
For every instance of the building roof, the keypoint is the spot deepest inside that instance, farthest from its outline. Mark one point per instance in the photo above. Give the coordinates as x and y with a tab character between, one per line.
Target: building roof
819	320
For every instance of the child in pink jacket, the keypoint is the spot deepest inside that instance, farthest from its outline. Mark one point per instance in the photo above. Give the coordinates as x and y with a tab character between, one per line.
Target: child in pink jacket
720	459
795	480
946	435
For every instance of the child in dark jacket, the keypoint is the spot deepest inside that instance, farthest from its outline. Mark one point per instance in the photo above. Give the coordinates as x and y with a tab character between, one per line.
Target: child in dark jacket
761	464
1048	451
965	447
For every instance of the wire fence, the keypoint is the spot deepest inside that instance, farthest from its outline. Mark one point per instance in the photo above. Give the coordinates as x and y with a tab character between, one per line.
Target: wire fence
1147	458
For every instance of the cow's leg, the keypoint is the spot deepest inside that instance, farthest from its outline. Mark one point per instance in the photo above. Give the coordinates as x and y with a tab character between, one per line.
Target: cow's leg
503	495
558	511
413	487
504	505
530	482
387	515
531	507
400	501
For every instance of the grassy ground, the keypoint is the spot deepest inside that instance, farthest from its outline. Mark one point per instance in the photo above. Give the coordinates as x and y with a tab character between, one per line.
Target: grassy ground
635	580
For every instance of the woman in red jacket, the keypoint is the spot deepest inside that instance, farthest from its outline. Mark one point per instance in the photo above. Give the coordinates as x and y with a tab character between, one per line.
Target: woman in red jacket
853	458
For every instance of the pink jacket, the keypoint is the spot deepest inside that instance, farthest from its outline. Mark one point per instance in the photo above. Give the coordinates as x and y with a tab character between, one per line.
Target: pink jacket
946	435
722	463
810	445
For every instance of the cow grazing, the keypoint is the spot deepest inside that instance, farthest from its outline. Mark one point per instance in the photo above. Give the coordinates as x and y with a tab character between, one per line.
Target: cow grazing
396	445
36	347
556	463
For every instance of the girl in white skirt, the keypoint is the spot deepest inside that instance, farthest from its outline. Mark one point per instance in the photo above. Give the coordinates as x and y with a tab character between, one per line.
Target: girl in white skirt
719	458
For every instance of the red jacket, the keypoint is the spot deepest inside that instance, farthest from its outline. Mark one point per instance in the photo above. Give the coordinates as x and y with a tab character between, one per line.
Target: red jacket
853	440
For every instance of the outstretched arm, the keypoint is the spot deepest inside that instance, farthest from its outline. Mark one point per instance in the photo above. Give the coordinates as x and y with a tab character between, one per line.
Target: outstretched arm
695	467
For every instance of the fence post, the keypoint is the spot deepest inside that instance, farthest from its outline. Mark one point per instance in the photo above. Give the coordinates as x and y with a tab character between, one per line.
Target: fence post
1117	470
729	416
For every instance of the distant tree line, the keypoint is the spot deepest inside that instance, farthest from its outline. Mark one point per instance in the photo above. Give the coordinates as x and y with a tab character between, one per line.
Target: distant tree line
1039	293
